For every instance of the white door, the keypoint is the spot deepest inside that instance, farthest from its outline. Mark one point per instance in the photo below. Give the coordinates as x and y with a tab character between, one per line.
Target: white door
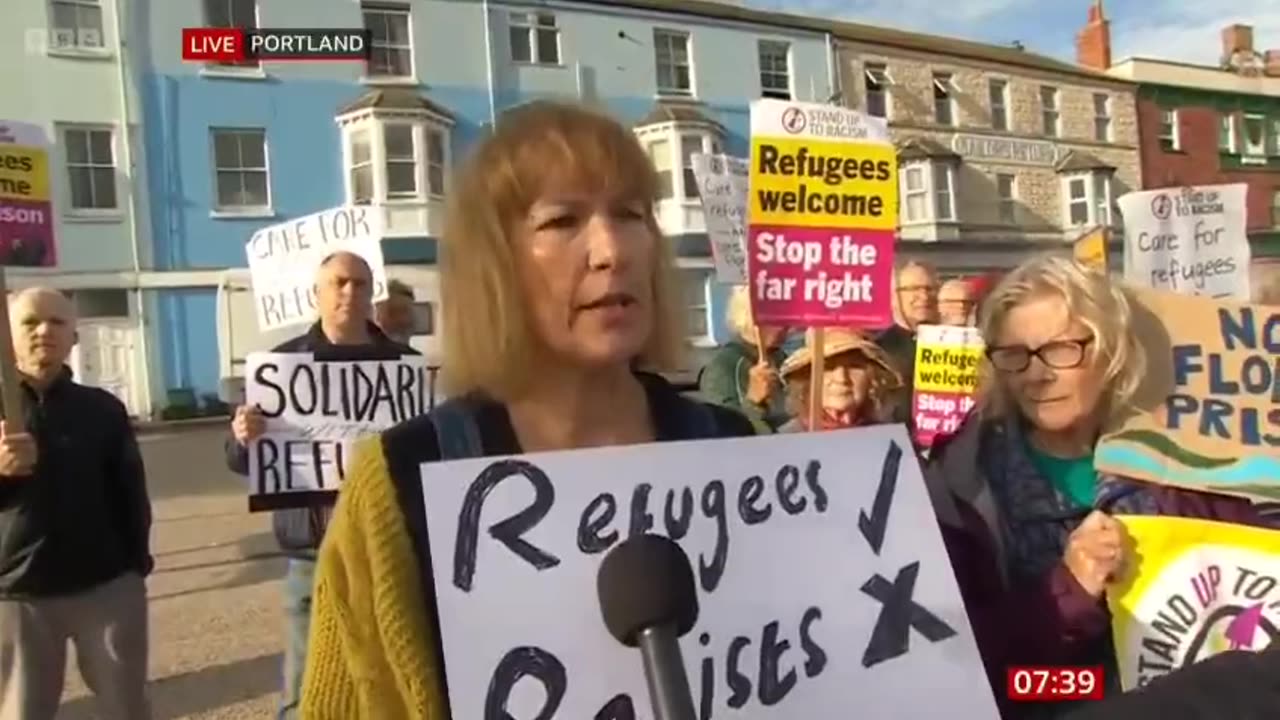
106	357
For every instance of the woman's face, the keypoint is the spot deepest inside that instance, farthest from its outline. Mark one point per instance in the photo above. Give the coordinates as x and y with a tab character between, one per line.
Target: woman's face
586	264
1048	362
846	383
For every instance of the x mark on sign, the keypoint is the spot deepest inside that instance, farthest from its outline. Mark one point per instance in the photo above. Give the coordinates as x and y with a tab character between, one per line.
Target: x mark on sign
899	614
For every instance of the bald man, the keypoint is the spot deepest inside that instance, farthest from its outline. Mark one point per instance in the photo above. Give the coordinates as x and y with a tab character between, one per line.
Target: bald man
75	526
955	302
344	331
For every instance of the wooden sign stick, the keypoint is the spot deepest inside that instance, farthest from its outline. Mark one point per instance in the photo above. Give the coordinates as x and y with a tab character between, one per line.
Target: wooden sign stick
10	382
817	356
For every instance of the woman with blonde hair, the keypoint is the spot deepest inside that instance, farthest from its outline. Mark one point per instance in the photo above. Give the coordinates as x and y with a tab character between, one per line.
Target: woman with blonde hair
1027	518
738	376
559	301
857	378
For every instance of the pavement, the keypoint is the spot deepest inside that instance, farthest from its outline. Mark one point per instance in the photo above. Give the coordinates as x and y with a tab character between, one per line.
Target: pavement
215	596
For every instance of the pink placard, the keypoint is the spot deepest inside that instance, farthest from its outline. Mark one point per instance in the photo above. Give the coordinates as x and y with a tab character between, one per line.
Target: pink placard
821	277
938	413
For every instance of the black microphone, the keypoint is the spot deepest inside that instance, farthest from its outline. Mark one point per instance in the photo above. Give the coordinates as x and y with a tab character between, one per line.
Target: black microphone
648	599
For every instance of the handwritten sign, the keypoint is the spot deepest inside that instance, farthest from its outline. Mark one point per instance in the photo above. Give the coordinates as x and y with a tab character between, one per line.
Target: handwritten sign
1202	588
315	410
1189	240
284	259
722	185
26	210
1207	415
822	579
947	359
822	216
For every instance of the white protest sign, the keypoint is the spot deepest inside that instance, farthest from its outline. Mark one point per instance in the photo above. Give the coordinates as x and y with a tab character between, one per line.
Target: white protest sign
1188	240
315	410
284	259
722	185
824	587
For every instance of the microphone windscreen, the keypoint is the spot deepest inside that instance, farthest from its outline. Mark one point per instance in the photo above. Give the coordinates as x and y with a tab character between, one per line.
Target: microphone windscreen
645	581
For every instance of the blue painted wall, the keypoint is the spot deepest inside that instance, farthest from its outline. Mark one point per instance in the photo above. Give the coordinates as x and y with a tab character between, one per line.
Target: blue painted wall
606	56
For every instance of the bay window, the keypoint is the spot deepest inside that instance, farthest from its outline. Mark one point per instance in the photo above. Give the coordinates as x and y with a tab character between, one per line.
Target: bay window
928	192
671	148
1087	200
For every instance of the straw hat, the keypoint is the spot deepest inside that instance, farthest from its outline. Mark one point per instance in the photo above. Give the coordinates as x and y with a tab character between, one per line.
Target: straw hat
836	341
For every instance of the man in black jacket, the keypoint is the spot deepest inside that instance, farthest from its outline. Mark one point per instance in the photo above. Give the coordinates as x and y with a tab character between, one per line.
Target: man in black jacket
75	525
344	294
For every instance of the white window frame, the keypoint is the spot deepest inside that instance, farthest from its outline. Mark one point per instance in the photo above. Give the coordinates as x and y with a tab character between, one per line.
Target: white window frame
885	81
930	171
400	10
1103	126
1007	205
78	40
375	123
1172	140
1250	153
1098	199
1275	136
1003	105
91	213
945	82
239	210
669	34
767	47
528	22
1275	208
1228	121
688	275
674	135
1050	113
251	67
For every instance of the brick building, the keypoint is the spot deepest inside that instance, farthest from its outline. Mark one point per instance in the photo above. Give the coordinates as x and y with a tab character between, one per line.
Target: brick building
1207	124
1003	153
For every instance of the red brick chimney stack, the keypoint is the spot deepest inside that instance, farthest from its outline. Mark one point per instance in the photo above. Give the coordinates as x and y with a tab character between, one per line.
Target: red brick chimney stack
1236	39
1093	42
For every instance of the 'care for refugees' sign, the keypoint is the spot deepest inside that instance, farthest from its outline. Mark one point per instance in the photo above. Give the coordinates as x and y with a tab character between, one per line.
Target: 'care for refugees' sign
824	587
284	259
315	411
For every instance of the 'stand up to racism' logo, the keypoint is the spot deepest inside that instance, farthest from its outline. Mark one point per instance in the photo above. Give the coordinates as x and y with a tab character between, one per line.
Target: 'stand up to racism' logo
793	120
1161	206
1204	604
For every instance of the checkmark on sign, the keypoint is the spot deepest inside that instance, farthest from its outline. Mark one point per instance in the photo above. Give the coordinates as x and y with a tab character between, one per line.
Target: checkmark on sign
873	527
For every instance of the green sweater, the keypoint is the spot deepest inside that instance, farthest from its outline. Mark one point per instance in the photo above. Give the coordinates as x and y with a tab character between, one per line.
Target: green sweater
724	382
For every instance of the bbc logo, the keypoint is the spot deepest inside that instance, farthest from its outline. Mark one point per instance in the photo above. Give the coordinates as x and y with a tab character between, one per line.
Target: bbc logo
41	40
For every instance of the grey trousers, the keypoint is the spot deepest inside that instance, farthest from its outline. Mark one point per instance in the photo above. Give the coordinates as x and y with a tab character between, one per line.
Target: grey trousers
108	625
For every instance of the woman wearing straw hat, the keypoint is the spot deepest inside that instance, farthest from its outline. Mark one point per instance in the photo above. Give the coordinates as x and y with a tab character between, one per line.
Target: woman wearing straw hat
857	378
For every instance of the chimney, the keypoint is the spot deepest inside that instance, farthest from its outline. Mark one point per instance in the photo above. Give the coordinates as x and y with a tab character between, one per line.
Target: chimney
1236	39
1093	42
1271	66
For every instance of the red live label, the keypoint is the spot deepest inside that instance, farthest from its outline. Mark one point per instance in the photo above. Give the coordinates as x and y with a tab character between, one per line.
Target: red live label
212	44
1055	683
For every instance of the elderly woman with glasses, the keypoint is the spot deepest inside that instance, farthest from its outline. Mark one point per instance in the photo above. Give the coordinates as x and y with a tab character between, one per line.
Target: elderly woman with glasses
1028	520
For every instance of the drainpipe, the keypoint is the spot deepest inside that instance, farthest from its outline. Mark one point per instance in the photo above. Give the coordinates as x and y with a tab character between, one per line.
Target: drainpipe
488	62
132	209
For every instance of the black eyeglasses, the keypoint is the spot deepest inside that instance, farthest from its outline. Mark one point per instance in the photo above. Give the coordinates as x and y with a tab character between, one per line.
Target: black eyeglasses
1059	354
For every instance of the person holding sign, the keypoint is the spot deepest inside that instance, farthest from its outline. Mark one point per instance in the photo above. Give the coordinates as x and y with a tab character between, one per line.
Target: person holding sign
856	381
75	527
558	287
743	373
1028	520
915	303
344	294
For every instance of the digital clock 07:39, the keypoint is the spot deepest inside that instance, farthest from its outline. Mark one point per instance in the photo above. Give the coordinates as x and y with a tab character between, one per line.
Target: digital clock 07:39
1054	684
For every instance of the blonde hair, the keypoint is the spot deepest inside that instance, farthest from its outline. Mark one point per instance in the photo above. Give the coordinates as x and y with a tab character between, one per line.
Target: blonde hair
1092	299
738	318
488	334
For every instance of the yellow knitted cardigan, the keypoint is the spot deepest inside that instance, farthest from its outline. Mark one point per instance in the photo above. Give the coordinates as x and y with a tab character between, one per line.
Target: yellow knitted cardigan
370	655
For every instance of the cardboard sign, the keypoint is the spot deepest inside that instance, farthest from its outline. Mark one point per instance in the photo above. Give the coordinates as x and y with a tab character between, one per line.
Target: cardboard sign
823	583
823	216
1090	250
315	411
284	259
26	208
1188	240
1207	415
722	186
947	359
1200	588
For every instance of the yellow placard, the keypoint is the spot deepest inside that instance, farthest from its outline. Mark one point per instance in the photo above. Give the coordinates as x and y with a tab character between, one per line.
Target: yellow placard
1091	250
947	368
24	173
818	183
1194	588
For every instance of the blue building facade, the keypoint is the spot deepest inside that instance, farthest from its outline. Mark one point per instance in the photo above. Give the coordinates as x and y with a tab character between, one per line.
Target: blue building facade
230	149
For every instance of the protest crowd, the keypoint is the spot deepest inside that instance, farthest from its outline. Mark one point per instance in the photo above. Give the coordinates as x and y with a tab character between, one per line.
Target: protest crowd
997	401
